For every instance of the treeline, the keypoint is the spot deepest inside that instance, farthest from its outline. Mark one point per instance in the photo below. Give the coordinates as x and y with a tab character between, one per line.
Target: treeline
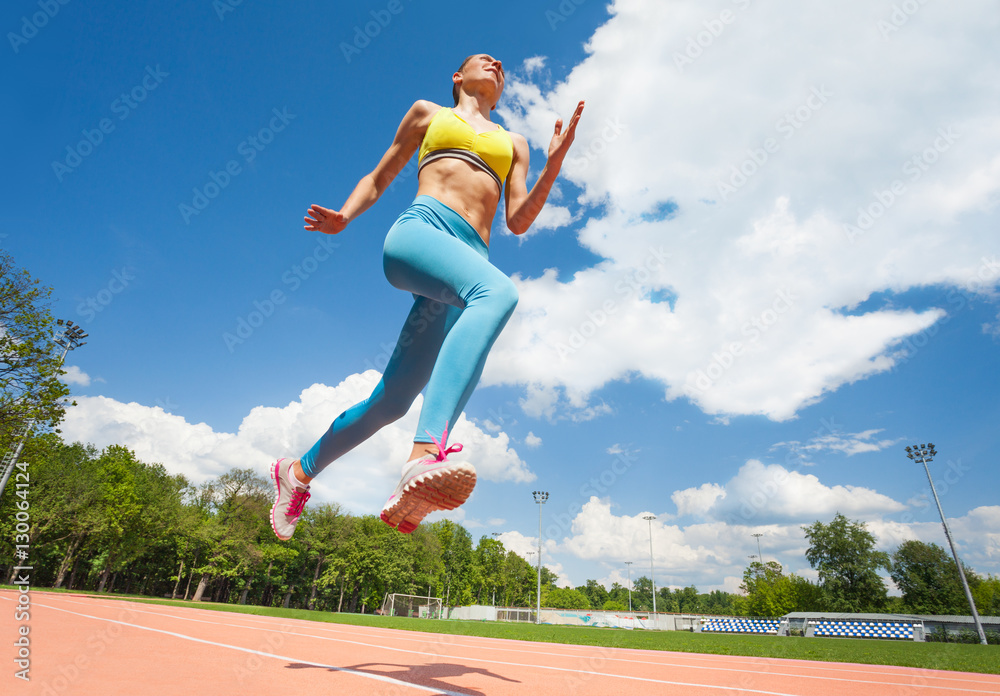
105	521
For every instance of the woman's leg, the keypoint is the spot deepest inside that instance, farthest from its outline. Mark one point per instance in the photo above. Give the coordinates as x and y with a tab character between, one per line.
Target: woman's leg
432	263
425	261
405	375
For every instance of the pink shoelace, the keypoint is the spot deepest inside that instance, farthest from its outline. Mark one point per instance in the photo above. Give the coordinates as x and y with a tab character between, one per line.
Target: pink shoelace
297	502
443	453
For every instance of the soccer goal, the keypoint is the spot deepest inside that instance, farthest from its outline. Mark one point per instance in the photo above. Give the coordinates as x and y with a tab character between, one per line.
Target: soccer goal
412	605
516	615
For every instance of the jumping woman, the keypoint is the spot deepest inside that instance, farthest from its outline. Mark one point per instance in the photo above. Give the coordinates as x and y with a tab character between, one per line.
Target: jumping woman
438	250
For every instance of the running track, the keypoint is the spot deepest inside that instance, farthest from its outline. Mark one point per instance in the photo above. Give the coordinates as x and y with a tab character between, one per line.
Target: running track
85	645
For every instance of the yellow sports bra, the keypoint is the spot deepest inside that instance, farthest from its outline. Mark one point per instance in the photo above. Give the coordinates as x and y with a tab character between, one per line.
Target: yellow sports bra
448	135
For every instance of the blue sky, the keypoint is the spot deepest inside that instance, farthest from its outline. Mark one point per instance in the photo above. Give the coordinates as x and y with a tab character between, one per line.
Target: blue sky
770	263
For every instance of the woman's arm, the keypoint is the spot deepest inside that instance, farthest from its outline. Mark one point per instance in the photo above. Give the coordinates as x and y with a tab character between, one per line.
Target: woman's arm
523	207
408	138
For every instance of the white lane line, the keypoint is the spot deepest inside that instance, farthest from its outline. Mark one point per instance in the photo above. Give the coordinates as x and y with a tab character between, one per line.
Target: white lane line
576	671
761	663
376	677
756	662
762	667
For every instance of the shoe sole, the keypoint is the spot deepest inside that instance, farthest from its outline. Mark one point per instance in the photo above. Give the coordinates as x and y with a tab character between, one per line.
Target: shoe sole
444	489
277	488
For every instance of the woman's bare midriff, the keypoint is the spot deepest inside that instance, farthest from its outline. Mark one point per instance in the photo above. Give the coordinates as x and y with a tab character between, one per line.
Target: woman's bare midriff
468	191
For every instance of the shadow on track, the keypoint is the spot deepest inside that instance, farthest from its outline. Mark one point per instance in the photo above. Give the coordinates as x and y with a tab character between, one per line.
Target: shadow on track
430	675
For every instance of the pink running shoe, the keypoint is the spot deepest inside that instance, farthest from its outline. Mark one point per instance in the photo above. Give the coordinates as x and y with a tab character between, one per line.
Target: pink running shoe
428	484
290	500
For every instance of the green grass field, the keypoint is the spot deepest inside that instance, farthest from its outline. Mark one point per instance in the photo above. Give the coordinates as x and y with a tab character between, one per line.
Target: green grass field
945	656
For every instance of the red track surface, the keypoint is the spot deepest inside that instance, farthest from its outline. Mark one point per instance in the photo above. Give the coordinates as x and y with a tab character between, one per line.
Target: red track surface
84	645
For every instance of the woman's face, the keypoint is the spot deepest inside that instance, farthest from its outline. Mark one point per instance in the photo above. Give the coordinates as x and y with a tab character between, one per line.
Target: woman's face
484	67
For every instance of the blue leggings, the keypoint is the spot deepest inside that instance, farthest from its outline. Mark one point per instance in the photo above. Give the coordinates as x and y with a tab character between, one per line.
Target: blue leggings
462	302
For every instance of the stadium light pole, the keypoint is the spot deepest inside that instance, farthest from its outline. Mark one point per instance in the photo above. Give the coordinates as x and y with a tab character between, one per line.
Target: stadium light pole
629	564
759	554
530	554
540	498
924	454
70	338
652	577
496	535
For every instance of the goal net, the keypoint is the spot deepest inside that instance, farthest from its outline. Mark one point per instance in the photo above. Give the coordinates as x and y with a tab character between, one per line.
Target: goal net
517	615
412	605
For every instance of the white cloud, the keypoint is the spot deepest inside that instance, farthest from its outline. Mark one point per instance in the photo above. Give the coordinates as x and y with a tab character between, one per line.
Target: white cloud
533	64
74	375
745	301
851	444
360	480
531	440
703	553
562	579
760	493
551	217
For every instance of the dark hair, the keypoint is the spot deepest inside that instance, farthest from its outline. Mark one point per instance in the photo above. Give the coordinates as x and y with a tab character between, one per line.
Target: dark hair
454	87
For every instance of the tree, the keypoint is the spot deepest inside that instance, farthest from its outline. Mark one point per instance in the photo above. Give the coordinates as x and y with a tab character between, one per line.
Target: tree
564	598
769	592
30	359
986	594
772	593
843	552
687	600
718	602
595	593
488	569
928	578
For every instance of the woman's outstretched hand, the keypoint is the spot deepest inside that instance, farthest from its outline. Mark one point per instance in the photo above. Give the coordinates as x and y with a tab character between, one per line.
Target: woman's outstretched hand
561	140
320	219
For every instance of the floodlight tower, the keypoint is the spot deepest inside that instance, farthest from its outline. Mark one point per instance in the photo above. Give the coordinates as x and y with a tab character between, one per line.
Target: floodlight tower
924	454
629	564
652	578
540	498
758	535
69	338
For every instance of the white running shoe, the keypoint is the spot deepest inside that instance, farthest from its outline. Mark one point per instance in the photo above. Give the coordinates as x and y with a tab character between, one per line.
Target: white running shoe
428	484
291	498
